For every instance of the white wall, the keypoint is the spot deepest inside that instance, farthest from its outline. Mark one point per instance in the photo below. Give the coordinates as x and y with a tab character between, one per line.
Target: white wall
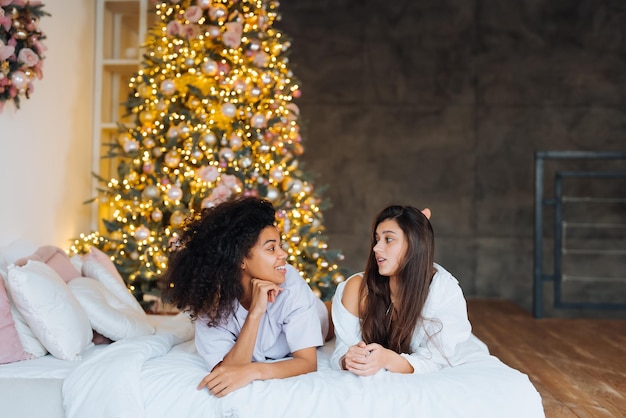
46	145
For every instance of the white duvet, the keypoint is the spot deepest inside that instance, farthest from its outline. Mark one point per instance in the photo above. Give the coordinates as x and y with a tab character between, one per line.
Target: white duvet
156	376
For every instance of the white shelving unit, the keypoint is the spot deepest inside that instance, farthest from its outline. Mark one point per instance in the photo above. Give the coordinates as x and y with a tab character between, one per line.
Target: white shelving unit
121	27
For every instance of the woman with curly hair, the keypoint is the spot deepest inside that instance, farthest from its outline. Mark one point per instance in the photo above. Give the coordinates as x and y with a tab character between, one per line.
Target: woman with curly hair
405	313
229	271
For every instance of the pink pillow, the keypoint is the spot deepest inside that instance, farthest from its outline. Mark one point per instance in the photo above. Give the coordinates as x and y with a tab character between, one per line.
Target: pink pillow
11	348
55	258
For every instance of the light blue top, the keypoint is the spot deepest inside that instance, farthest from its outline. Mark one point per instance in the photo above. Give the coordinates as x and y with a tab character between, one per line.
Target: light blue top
290	324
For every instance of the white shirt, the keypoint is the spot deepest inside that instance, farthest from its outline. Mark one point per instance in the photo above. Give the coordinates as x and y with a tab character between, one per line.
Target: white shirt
446	322
291	323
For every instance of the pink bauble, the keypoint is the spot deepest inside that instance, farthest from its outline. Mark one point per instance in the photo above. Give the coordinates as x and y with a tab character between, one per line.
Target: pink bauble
175	193
142	233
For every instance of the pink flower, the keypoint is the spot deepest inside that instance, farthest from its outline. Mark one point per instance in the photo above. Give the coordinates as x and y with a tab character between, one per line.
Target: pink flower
38	69
190	31
32	25
28	57
230	181
251	192
193	14
25	53
6	51
294	111
221	192
174	28
208	173
40	47
5	22
232	36
260	59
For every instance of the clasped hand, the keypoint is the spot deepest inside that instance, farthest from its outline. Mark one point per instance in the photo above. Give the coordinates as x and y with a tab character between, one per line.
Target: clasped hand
365	359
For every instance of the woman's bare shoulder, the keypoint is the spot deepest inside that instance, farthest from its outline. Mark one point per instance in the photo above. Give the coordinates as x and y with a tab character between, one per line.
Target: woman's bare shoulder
351	297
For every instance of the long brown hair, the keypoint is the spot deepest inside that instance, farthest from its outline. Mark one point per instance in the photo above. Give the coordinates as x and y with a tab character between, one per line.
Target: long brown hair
394	330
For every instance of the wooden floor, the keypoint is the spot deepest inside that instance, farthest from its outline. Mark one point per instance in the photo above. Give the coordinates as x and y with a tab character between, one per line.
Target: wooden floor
577	365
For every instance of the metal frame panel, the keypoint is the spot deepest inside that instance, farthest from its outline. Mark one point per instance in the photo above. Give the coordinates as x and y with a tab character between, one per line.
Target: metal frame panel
556	277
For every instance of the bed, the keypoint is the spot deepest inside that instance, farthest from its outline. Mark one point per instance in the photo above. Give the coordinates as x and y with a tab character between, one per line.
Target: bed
155	373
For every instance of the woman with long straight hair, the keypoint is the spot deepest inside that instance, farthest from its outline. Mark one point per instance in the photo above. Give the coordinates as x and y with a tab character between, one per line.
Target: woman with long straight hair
404	313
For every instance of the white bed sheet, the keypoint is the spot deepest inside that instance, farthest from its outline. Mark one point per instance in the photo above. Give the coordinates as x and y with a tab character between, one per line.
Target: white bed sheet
482	387
46	367
32	388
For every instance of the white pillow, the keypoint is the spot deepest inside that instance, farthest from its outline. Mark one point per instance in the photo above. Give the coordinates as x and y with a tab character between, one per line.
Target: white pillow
109	315
30	343
77	262
50	310
113	282
28	339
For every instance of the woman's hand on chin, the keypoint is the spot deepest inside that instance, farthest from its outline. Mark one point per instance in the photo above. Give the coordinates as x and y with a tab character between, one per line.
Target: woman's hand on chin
263	292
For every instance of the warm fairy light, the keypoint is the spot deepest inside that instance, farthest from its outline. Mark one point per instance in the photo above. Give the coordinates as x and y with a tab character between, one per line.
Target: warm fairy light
212	117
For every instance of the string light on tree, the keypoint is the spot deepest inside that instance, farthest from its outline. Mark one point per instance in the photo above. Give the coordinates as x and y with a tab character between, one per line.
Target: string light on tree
213	117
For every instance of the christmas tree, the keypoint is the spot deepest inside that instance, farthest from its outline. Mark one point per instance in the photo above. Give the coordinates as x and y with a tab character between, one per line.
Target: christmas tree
212	117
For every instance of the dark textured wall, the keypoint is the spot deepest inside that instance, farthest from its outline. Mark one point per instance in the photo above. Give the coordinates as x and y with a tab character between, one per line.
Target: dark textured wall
442	103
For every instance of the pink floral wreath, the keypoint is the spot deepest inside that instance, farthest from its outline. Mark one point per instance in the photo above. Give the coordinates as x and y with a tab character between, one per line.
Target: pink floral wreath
21	49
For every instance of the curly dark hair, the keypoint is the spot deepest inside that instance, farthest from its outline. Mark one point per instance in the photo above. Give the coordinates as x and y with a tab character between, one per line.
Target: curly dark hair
203	275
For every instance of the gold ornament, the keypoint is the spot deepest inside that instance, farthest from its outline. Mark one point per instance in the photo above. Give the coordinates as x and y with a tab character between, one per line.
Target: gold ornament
144	91
149	142
218	13
146	117
172	159
150	192
177	219
116	235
